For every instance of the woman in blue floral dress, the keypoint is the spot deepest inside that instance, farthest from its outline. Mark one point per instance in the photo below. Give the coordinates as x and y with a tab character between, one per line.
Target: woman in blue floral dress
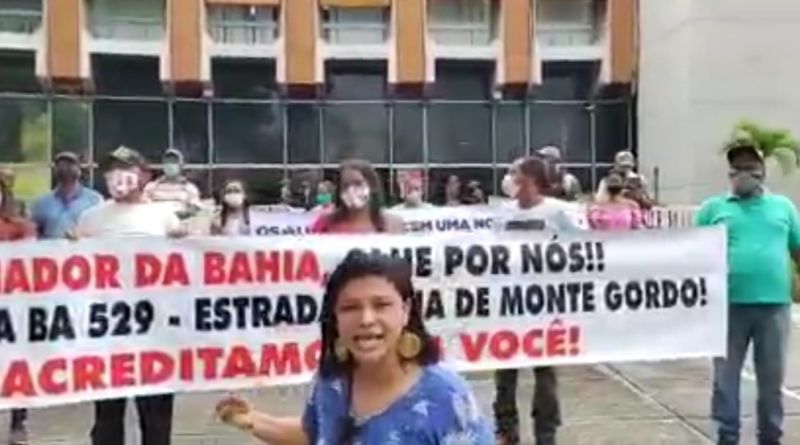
379	380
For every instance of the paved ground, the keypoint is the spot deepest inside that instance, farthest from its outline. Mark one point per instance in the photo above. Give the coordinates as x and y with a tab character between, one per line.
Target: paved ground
631	404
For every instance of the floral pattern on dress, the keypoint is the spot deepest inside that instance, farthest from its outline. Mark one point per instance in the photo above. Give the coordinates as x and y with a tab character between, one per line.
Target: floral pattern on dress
439	409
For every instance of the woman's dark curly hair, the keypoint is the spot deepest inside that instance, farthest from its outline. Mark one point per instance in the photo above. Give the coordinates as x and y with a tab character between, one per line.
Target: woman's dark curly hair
360	264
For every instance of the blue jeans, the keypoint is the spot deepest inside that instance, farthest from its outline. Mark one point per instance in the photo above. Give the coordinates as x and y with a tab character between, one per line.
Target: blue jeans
768	327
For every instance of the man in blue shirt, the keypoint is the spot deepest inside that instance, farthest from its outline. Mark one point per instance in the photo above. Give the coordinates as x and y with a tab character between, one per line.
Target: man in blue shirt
763	236
57	212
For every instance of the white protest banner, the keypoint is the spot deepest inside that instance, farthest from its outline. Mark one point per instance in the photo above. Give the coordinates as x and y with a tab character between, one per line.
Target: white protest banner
97	319
427	220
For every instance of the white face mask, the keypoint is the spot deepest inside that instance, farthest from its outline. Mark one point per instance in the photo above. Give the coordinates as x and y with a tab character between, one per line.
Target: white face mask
356	197
234	199
121	183
414	197
510	186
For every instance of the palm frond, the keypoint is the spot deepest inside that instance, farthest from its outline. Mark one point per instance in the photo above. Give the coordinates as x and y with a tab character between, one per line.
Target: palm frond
779	143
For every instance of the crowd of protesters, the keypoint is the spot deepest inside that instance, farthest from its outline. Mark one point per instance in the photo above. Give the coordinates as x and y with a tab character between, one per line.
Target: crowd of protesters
379	379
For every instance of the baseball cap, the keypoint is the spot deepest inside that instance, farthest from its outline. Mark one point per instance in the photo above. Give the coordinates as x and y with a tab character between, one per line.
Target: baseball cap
550	152
738	148
173	152
128	156
625	158
67	156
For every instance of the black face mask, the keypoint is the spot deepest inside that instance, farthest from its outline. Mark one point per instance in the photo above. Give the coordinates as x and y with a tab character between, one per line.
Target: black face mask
614	190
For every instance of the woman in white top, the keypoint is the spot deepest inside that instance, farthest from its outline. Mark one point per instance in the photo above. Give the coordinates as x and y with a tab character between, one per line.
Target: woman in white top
234	218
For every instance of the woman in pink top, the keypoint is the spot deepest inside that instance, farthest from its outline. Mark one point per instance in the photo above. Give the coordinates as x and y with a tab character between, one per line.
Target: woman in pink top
615	212
358	207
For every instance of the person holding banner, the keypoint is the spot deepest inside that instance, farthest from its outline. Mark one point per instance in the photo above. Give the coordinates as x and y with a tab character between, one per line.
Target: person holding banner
14	228
379	381
57	212
763	231
127	214
527	182
616	212
234	217
358	205
412	190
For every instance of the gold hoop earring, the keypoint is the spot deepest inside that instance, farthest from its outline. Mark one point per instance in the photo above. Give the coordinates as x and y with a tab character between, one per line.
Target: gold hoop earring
340	351
409	345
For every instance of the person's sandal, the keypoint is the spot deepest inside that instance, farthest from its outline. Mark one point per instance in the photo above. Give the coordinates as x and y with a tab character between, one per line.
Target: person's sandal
507	439
18	437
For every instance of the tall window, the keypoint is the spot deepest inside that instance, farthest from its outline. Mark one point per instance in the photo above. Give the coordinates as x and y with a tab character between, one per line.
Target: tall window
243	24
462	22
355	26
20	16
127	20
568	22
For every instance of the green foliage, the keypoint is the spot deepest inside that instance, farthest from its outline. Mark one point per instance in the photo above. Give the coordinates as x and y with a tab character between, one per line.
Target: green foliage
778	144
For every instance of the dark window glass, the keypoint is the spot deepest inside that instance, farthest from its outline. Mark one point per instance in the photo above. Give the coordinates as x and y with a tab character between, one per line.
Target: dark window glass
464	80
356	80
248	133
438	181
190	130
568	80
566	126
71	127
141	125
263	185
460	133
244	78
612	125
18	71
126	75
303	133
24	131
357	131
510	132
584	175
409	143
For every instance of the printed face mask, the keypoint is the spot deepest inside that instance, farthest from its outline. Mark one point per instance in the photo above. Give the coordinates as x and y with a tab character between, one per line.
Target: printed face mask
356	197
509	186
121	183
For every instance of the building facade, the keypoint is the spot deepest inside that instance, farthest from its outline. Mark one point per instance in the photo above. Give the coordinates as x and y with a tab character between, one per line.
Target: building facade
259	89
704	66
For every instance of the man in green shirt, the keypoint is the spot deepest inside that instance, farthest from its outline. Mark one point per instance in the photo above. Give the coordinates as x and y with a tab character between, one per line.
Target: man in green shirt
763	236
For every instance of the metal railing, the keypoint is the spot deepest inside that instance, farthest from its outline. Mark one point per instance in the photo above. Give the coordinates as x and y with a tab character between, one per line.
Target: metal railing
127	28
462	34
19	21
242	32
355	33
566	34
